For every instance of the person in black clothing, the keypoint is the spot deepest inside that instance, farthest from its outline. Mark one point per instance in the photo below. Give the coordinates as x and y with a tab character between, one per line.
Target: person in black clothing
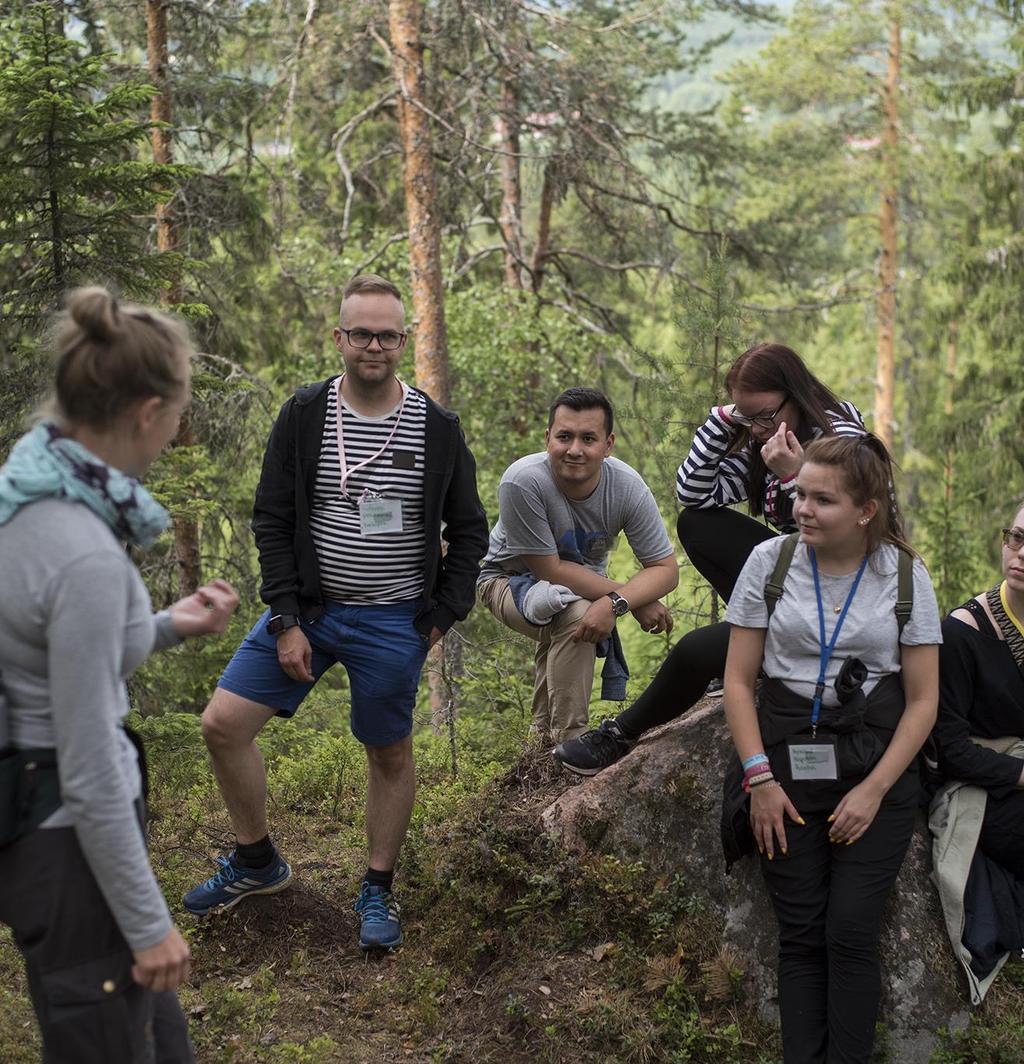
981	694
750	450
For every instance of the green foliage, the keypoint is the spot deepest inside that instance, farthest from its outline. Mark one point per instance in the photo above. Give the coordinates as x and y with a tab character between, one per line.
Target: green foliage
73	195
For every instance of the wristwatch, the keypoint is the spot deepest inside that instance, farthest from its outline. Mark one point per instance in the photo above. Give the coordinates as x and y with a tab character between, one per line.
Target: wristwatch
620	606
281	622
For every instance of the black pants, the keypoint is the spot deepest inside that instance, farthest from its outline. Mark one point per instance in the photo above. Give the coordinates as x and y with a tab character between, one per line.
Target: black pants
89	1009
828	900
1002	832
718	542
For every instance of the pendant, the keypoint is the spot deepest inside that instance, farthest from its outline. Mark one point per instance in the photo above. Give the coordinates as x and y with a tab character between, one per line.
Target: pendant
837	609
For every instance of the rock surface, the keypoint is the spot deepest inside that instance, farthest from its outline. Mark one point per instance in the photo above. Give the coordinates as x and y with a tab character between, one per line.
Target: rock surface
661	805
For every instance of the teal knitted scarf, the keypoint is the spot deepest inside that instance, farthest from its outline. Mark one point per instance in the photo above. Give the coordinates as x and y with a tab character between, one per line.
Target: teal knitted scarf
46	464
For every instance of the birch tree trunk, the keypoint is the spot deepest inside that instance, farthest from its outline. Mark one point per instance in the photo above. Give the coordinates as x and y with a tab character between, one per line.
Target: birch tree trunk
885	375
186	529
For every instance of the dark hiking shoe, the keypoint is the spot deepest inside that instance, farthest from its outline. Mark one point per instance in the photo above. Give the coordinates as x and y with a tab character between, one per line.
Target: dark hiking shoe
587	754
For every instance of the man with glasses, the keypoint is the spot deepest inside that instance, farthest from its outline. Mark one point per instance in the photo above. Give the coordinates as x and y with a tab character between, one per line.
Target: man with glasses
359	475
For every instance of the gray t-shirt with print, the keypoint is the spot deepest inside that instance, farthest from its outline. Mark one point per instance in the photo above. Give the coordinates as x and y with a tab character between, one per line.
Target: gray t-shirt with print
535	518
792	644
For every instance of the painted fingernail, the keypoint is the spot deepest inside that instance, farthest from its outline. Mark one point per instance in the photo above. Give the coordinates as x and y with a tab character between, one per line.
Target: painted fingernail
769	857
830	819
849	842
784	851
800	820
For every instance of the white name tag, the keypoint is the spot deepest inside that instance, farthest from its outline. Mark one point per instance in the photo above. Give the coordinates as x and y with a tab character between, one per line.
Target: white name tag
380	516
813	761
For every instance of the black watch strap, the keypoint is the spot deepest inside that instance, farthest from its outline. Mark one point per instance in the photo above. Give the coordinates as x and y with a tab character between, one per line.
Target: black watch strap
620	606
281	622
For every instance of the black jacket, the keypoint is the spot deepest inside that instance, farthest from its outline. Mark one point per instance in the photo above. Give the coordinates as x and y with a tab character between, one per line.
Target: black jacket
280	522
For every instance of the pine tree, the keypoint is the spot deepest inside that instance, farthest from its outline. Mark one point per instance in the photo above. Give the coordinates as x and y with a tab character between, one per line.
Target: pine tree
75	200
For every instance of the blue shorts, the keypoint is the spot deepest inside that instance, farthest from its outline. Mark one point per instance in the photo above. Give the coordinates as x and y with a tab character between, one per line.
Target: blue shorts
380	648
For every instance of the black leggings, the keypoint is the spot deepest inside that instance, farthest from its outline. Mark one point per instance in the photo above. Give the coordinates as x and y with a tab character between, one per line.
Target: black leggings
828	900
1002	832
718	542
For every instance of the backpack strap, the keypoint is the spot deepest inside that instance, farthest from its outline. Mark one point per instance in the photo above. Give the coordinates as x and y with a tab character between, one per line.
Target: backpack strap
904	589
774	586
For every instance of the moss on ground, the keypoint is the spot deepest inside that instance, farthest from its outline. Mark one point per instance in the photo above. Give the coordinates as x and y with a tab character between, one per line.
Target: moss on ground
515	950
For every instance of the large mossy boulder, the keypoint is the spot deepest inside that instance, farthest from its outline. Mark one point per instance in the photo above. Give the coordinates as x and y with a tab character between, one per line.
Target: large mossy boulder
661	805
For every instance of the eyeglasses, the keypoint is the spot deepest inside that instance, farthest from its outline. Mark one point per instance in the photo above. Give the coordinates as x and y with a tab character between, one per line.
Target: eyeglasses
389	340
1013	537
764	421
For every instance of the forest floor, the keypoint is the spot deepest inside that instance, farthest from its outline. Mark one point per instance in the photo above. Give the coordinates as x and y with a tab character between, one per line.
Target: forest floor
514	951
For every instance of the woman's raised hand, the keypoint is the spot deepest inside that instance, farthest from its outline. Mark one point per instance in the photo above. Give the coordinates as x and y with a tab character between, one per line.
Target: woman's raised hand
782	453
206	611
769	805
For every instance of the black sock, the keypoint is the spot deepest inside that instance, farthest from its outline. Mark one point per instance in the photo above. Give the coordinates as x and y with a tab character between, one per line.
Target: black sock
256	854
625	733
379	879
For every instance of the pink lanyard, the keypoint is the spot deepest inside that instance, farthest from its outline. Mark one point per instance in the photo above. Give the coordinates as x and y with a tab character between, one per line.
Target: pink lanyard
345	471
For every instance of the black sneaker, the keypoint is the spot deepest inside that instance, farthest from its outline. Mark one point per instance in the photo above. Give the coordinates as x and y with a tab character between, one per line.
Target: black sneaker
587	754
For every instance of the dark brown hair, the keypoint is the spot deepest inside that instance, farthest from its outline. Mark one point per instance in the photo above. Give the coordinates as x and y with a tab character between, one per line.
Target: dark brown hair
584	399
865	465
111	355
771	367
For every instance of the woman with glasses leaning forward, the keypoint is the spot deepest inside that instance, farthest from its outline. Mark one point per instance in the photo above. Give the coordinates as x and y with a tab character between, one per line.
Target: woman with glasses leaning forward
828	746
749	450
980	731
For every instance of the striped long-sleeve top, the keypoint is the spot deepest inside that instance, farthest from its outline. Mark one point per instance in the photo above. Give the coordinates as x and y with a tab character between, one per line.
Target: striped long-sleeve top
709	476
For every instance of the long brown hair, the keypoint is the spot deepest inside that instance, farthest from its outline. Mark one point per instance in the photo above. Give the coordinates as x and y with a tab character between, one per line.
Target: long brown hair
865	465
771	367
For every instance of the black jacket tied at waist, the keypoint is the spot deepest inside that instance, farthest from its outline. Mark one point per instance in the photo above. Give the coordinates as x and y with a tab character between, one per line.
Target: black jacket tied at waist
860	726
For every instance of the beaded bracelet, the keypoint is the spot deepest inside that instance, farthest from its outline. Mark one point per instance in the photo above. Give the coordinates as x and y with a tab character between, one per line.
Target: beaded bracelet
765	783
755	780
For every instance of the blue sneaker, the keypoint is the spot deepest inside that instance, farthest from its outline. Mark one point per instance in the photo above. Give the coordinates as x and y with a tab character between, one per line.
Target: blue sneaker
234	882
379	914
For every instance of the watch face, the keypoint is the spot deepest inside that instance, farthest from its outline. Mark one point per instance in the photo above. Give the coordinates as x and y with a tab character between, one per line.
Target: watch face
619	605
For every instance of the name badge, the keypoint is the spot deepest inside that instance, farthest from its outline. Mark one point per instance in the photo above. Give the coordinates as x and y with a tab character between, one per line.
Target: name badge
380	516
813	760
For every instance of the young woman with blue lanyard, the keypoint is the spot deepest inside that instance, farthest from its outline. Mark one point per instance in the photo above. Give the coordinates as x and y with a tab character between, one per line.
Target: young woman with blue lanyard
828	745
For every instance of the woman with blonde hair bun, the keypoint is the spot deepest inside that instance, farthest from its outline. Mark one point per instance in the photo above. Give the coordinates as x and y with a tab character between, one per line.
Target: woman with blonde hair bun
102	954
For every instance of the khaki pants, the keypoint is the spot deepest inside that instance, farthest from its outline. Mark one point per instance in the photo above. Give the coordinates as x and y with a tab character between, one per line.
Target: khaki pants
563	668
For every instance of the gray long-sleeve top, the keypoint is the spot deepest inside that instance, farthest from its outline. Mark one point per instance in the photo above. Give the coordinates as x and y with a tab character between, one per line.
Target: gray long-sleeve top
75	621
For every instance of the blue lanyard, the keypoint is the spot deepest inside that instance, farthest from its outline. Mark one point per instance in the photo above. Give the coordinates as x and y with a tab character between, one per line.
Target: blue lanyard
827	648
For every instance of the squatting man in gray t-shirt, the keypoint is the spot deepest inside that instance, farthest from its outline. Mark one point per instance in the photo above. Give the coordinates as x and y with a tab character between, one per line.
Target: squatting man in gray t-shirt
559	513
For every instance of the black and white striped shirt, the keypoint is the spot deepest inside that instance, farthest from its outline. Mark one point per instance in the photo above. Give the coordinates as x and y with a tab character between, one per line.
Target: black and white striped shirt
709	476
362	569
